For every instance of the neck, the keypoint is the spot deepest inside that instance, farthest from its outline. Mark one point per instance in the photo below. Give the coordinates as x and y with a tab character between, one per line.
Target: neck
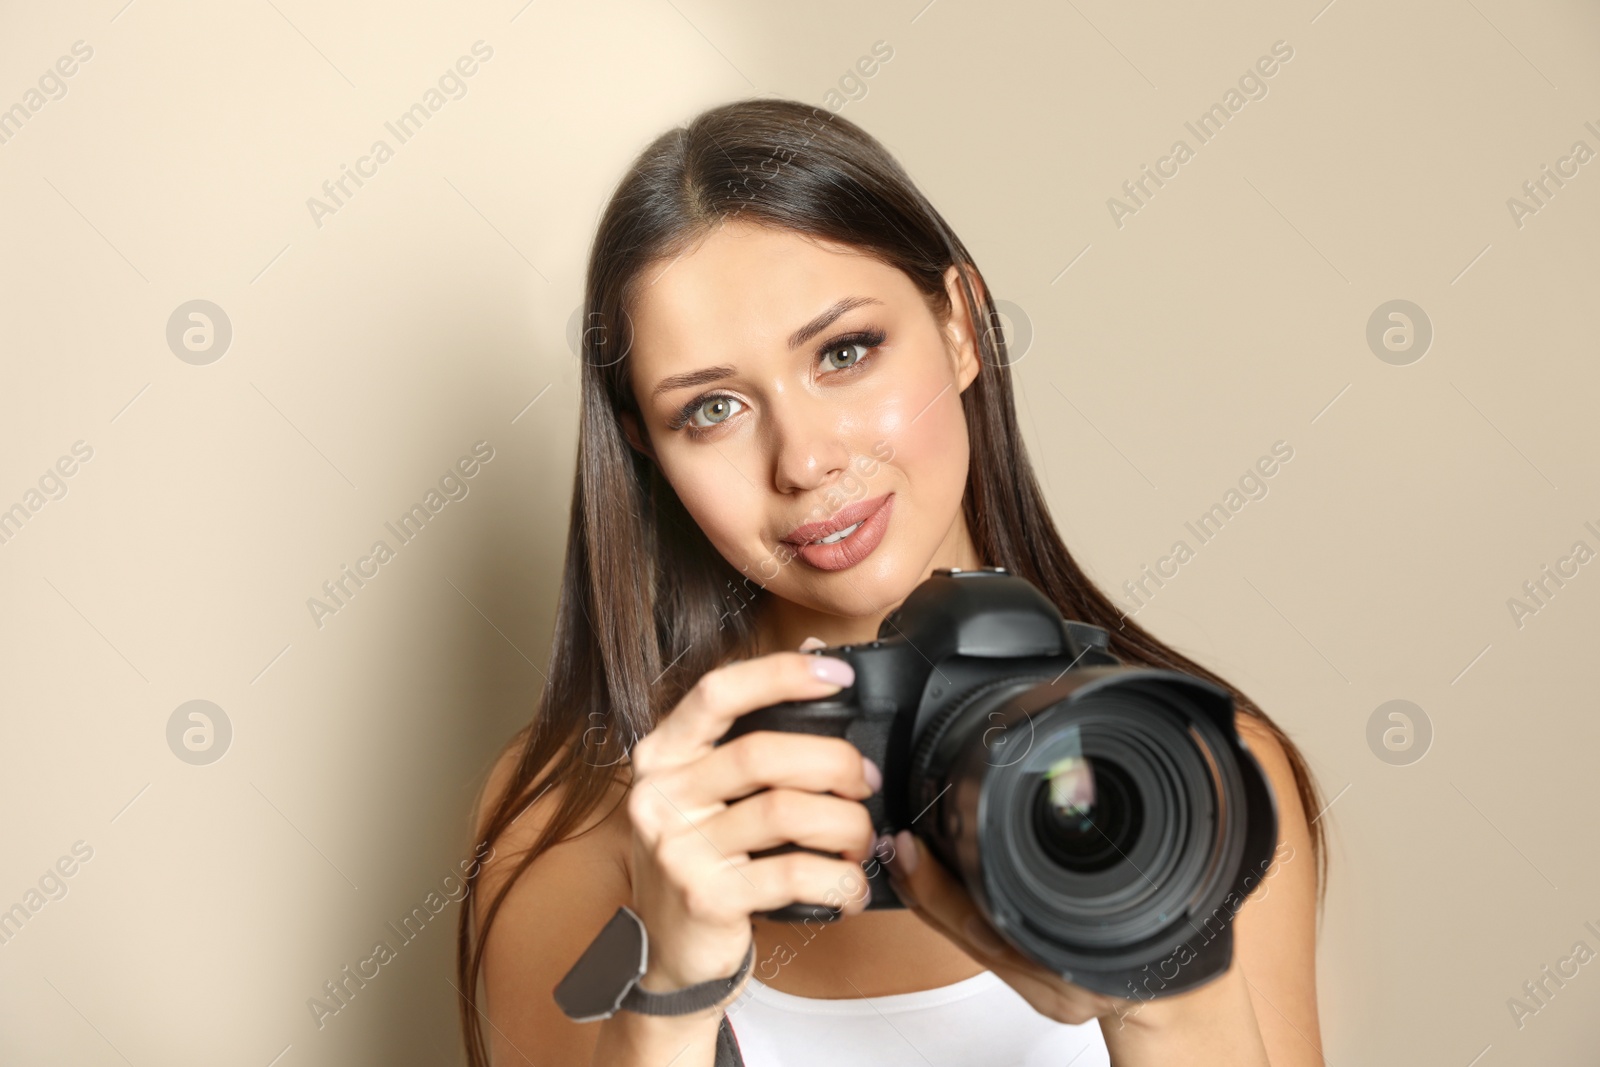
781	624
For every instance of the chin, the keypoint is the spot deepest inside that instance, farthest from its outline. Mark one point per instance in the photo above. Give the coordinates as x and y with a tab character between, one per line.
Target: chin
874	587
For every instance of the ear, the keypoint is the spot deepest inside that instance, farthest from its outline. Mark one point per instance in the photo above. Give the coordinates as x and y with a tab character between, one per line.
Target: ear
630	430
960	330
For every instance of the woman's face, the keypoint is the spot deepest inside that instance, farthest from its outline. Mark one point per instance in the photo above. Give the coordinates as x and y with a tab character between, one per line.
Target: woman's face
786	383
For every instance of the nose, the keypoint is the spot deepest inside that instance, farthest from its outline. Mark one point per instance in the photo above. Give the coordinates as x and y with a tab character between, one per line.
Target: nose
808	442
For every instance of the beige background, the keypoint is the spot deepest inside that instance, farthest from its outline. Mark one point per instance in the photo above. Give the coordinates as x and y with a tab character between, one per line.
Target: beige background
431	309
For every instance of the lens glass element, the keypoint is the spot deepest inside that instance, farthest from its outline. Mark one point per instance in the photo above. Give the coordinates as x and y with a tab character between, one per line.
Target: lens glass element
1087	813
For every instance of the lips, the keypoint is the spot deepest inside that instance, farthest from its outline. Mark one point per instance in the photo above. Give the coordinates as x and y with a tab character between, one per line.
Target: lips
858	535
843	519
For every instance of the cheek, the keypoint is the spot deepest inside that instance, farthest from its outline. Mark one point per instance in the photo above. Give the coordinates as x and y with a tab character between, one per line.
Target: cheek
720	501
930	448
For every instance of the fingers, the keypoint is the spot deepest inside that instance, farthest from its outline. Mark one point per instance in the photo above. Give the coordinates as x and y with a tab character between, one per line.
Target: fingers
936	895
914	882
803	878
686	796
721	889
776	760
778	816
942	902
722	695
812	642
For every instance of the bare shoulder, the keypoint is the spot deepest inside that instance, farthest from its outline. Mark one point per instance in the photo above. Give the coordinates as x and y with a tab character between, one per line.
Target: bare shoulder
1276	928
596	831
1294	831
551	910
599	840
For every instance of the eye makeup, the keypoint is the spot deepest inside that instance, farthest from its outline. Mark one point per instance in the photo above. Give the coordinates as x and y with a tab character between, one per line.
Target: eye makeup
869	338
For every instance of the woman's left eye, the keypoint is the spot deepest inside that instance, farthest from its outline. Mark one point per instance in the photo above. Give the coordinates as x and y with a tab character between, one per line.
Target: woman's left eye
831	357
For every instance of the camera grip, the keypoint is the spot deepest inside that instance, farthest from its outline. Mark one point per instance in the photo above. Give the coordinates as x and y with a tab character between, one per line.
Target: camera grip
829	718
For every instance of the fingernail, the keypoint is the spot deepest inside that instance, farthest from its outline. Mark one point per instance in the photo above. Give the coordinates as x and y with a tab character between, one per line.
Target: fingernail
812	642
833	670
874	776
905	852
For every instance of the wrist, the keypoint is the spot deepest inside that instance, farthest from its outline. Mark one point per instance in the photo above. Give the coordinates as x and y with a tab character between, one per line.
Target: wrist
668	970
735	977
665	979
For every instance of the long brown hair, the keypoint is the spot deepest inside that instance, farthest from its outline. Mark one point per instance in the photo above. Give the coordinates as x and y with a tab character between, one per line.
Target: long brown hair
647	605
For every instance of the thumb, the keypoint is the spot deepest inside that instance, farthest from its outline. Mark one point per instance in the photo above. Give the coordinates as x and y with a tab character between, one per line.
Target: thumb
928	888
908	868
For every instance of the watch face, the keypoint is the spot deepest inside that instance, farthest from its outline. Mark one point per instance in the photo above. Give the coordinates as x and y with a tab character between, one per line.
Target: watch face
608	968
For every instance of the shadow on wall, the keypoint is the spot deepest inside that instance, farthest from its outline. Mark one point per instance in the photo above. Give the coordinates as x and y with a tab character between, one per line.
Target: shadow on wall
468	673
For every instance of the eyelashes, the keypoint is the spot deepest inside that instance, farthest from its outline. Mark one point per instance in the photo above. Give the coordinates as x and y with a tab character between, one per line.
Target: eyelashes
868	339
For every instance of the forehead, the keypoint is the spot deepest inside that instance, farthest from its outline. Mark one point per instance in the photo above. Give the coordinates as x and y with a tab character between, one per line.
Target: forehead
742	288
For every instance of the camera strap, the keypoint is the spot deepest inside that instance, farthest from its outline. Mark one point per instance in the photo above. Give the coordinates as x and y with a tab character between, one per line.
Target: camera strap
727	1046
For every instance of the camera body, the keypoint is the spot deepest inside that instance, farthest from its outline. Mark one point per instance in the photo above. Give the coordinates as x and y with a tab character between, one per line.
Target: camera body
1106	819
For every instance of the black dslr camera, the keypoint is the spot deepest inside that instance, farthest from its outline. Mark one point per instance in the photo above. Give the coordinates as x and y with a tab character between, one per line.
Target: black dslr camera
1105	819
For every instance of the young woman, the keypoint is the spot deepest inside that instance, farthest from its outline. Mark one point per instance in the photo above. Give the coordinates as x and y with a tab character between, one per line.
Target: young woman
785	341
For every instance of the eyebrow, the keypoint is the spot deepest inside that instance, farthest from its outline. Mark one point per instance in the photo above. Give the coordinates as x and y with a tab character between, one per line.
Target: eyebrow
707	375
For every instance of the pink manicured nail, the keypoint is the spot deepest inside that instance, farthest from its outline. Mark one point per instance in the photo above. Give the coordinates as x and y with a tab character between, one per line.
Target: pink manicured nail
905	852
874	776
833	670
812	642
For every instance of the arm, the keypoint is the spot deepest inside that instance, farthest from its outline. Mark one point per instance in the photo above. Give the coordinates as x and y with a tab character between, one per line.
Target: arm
545	923
676	845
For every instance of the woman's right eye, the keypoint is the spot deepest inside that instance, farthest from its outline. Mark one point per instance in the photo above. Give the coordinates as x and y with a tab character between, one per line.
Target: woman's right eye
715	409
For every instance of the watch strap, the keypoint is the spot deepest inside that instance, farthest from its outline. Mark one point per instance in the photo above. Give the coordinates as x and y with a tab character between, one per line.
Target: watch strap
605	979
690	999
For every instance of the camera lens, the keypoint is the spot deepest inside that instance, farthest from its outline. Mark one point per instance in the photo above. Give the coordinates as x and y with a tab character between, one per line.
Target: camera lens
1087	814
1104	830
1092	817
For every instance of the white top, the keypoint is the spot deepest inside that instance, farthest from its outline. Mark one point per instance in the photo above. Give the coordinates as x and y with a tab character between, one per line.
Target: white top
978	1022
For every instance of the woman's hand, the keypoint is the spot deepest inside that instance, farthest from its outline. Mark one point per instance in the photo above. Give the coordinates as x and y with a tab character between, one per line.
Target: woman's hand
928	889
694	883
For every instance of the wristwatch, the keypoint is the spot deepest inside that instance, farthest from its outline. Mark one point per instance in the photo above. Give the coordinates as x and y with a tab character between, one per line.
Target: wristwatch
605	979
